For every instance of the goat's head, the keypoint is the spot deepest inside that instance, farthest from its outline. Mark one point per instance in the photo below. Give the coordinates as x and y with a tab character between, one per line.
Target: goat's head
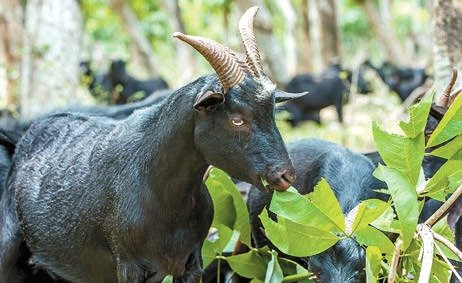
234	122
343	262
117	71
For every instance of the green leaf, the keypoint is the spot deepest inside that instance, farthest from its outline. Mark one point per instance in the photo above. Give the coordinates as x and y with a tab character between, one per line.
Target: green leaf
248	265
400	153
369	236
418	114
455	181
208	253
230	207
386	222
404	198
450	126
224	236
294	272
296	239
273	271
442	228
373	260
368	211
448	150
320	208
439	183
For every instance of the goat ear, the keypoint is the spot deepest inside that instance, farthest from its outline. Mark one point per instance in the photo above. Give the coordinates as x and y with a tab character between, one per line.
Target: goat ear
208	101
281	96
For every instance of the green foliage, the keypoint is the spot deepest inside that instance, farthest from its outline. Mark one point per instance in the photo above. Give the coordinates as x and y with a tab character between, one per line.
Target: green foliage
373	259
305	225
450	126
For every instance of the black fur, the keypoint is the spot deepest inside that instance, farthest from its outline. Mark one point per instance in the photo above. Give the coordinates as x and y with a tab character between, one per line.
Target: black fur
119	76
105	200
403	81
15	128
323	91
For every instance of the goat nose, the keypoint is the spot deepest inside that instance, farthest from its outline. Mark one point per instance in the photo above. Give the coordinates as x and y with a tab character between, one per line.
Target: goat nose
284	179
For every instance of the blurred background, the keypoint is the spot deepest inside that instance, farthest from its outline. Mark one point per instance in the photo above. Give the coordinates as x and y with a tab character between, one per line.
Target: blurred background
54	54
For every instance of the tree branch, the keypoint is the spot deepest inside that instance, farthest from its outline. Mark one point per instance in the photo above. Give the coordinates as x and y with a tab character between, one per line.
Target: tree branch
447	243
427	260
448	262
394	262
442	210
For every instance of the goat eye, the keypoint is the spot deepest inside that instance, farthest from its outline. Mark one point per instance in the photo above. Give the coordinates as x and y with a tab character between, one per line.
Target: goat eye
237	121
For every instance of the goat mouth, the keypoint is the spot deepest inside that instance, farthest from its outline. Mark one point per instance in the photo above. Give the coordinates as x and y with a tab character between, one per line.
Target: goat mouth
282	184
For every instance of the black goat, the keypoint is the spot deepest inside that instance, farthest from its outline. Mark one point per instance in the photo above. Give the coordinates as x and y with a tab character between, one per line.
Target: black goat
103	200
403	81
17	127
350	177
119	76
324	90
99	85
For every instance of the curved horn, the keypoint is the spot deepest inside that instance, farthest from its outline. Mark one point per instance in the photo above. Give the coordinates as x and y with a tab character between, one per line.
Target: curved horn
222	59
250	43
444	98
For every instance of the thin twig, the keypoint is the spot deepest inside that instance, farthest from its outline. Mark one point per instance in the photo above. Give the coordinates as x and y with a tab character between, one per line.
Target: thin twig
444	98
427	246
394	262
442	210
448	262
447	243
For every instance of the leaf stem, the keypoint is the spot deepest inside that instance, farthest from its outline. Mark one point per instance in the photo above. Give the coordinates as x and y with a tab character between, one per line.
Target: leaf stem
394	262
297	277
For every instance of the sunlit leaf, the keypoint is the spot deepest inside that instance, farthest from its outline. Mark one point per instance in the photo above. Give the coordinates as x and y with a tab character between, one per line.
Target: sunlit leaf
319	209
439	183
386	222
273	270
368	211
249	265
404	199
448	150
296	239
370	236
230	208
400	153
455	180
450	126
373	259
208	253
418	114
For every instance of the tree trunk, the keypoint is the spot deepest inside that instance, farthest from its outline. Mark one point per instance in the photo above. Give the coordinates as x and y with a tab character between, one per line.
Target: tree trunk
184	53
131	25
447	48
289	35
269	45
51	50
395	52
330	44
10	46
304	46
